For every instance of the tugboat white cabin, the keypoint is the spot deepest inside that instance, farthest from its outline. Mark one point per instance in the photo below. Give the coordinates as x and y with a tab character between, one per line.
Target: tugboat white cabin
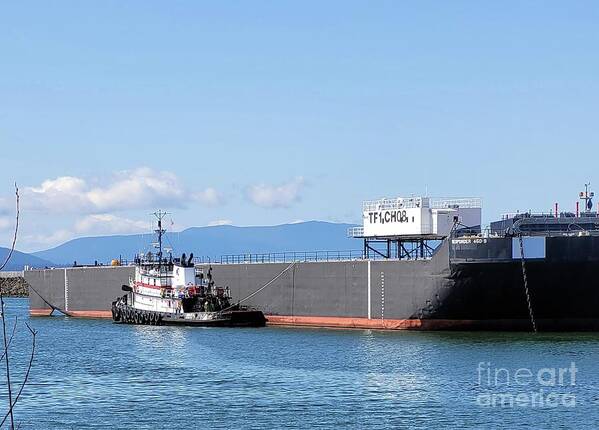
173	291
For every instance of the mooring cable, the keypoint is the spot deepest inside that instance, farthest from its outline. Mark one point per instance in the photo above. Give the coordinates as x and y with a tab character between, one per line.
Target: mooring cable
54	308
526	291
261	288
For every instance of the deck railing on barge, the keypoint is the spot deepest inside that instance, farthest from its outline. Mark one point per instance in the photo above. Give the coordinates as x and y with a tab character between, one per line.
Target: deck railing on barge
289	257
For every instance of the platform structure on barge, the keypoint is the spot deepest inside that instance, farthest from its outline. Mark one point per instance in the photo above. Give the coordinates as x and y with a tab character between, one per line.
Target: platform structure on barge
413	228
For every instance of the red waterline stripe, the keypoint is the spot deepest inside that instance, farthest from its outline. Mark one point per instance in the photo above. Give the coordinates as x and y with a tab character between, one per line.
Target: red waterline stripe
365	323
37	312
91	314
40	312
334	322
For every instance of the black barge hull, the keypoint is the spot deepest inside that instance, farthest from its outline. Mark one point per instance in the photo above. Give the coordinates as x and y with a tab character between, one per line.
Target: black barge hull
468	284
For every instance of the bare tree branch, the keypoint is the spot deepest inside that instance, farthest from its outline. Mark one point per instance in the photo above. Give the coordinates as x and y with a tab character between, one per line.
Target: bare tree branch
14	327
14	239
9	413
2	312
8	342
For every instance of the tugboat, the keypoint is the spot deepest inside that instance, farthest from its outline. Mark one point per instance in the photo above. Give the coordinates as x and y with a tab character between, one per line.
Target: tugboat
172	291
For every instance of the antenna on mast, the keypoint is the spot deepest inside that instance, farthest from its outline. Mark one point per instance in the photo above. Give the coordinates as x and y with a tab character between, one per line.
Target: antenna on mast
160	232
587	196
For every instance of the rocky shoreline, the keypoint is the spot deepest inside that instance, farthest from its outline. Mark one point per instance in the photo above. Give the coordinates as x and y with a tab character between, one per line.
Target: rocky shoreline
14	287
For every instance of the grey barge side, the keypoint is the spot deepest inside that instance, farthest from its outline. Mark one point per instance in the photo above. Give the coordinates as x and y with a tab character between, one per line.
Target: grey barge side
434	270
468	284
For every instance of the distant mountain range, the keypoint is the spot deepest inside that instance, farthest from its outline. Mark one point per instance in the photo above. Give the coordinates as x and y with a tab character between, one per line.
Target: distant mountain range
208	242
20	259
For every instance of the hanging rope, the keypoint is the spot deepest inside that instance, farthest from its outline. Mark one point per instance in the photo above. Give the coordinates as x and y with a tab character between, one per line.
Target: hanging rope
54	308
261	288
528	301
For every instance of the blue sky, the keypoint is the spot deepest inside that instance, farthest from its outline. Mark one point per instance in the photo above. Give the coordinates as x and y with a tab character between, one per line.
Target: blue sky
268	112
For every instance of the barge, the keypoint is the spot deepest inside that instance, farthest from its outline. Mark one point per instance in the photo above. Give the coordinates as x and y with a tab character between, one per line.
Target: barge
426	264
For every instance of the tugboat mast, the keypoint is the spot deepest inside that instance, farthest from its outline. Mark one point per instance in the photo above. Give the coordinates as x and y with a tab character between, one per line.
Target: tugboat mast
160	232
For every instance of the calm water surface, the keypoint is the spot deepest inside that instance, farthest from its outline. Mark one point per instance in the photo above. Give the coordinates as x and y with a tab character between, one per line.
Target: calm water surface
95	374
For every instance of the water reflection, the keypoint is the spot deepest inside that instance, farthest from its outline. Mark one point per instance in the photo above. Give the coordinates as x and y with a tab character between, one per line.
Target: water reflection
95	374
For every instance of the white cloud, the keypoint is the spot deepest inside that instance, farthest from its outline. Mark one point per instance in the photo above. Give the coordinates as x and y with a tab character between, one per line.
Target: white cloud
5	208
141	188
276	196
5	223
110	224
220	222
62	194
209	197
7	217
